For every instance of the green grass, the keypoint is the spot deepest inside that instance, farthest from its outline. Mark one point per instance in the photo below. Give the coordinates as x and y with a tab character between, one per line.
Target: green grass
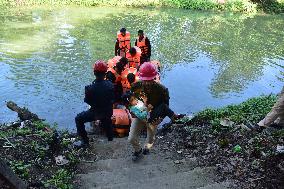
250	111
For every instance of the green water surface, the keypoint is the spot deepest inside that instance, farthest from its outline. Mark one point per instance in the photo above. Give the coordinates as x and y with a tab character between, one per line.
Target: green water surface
208	60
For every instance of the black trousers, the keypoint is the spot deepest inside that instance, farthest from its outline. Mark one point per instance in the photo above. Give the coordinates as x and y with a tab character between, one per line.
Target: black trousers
89	116
160	112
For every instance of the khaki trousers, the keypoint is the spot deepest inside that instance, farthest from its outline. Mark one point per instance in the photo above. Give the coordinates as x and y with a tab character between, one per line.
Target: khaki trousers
276	115
137	126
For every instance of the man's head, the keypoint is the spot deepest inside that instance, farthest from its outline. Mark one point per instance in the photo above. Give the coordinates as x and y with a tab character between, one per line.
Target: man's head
119	67
123	31
140	34
132	51
123	61
131	78
100	69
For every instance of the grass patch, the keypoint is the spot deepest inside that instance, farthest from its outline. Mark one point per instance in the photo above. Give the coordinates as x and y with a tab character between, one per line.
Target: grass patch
250	111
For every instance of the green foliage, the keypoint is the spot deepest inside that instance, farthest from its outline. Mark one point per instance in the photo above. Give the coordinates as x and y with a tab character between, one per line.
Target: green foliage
61	179
20	168
229	5
250	111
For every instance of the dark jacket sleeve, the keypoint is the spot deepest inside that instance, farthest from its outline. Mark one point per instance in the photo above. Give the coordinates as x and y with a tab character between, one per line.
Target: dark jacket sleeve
88	95
116	48
166	96
112	93
147	42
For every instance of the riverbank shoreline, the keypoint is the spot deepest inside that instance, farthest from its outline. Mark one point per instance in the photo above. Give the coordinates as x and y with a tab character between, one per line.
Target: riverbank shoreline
242	6
212	133
224	138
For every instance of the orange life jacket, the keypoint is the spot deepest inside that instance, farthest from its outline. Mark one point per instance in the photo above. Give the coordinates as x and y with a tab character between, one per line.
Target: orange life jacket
142	45
121	121
124	41
117	76
134	61
125	84
112	62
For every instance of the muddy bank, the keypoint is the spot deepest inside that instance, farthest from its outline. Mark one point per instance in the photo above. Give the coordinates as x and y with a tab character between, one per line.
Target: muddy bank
223	138
39	154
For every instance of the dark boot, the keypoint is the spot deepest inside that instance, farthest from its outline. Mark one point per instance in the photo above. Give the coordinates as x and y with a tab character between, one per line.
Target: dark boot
137	155
83	143
145	151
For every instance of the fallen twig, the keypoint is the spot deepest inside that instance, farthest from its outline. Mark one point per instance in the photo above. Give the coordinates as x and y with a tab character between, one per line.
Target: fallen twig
9	142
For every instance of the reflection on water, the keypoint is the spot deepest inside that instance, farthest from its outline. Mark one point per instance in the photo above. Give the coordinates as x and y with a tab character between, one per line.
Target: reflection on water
208	59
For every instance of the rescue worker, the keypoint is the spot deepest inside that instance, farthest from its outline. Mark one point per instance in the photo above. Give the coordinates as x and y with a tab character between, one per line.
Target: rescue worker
112	62
144	44
276	116
114	75
128	76
99	95
133	57
124	62
156	97
122	44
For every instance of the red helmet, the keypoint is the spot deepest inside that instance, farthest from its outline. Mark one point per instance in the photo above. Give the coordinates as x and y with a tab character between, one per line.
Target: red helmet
100	66
147	71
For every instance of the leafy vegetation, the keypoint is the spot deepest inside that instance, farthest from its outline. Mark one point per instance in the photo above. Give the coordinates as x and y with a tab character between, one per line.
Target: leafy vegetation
30	149
239	152
250	111
228	5
61	180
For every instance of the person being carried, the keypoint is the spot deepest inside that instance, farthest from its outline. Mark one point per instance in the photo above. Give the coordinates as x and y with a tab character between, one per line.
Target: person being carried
100	96
136	107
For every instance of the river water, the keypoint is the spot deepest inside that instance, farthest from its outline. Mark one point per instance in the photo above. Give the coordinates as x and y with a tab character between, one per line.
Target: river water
208	60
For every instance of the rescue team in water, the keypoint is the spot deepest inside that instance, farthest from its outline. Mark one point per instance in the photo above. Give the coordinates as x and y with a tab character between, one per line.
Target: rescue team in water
127	84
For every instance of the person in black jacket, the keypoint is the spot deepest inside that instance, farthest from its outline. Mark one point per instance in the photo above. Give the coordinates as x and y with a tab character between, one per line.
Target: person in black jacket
100	96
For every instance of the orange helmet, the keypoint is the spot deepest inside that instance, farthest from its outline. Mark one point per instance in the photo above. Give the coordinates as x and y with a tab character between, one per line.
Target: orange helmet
147	71
100	66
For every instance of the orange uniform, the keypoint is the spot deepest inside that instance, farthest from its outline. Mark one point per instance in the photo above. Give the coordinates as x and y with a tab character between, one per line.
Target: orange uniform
124	81
134	61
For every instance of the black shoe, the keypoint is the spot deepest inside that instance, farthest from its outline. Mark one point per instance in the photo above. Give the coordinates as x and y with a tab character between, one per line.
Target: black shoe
146	151
276	126
137	155
110	138
81	144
